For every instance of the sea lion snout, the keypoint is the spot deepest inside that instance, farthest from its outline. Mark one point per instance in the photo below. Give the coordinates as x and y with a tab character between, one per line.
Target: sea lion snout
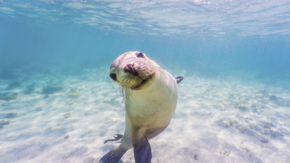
131	69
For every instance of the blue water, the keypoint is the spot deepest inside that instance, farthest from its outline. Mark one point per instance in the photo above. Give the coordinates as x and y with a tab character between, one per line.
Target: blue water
223	36
245	41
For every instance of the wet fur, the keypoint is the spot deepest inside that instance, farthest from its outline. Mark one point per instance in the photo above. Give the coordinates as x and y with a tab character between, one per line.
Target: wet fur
149	107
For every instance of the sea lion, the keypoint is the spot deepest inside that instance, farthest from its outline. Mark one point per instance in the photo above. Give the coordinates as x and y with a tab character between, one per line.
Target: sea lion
150	95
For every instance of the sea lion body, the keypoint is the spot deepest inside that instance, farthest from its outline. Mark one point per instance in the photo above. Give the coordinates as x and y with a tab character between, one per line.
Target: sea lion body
150	95
153	107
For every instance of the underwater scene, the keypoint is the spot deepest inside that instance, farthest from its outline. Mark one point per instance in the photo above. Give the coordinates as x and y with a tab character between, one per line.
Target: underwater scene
64	91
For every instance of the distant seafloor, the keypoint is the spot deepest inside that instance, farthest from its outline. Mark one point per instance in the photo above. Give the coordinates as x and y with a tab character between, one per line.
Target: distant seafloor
61	115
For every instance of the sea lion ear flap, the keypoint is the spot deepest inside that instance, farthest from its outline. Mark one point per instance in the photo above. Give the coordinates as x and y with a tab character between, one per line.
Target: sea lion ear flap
179	79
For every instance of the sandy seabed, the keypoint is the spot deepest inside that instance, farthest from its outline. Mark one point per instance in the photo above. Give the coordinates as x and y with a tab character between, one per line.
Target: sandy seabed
216	120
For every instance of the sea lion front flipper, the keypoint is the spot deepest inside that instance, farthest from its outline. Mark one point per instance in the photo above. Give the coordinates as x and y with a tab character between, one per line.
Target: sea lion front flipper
178	79
114	155
142	151
116	138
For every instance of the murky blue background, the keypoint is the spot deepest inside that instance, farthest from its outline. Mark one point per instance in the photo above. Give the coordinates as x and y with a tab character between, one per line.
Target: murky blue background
58	103
225	38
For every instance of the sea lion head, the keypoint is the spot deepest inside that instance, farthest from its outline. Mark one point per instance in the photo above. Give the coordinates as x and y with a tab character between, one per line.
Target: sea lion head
133	70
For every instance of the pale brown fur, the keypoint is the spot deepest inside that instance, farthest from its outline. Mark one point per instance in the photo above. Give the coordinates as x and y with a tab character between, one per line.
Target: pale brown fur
150	99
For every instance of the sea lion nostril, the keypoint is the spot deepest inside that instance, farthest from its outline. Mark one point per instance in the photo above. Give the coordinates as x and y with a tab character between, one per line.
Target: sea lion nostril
113	76
130	68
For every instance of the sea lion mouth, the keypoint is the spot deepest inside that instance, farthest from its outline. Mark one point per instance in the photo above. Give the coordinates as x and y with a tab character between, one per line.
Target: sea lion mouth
143	82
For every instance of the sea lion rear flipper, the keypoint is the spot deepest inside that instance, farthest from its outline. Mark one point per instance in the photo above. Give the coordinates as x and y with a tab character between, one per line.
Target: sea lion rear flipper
114	155
178	79
142	151
116	138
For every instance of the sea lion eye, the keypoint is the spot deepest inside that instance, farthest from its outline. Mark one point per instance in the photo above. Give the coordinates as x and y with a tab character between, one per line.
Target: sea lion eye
140	55
113	76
